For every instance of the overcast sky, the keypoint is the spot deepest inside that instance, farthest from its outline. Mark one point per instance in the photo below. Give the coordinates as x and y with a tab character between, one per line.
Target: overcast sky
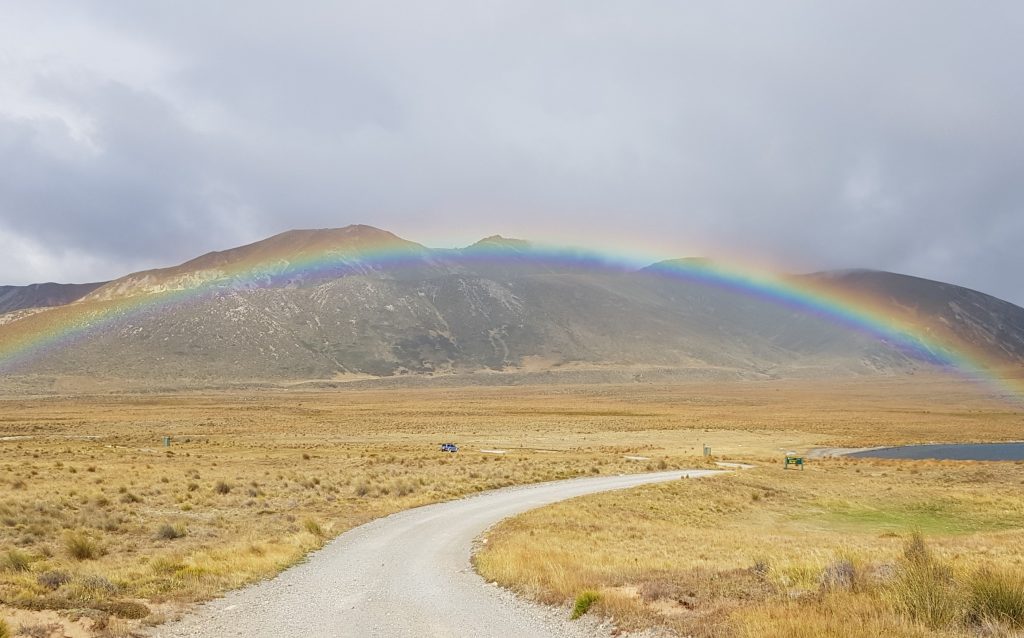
810	135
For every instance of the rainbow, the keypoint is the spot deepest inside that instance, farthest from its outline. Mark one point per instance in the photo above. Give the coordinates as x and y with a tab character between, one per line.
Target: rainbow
299	258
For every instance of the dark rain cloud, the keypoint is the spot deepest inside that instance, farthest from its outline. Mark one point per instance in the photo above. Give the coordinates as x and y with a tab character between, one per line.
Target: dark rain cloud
815	135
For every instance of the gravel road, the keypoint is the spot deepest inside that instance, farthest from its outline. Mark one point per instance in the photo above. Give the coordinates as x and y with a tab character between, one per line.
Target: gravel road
406	575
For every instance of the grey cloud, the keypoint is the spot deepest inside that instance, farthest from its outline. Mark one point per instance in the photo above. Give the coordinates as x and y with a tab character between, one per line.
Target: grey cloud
819	134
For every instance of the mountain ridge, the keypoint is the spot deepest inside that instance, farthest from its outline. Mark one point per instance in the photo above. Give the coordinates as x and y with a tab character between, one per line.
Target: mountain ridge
43	295
365	311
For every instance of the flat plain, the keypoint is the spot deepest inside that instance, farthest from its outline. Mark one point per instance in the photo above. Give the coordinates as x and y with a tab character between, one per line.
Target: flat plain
104	530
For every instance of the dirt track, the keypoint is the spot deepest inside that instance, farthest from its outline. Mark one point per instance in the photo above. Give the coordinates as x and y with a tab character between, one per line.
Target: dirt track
408	574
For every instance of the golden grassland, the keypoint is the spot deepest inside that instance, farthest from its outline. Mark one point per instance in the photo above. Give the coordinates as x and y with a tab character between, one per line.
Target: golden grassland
771	552
844	548
103	530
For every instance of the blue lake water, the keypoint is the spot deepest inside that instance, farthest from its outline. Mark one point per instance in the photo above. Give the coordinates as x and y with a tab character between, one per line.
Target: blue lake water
951	452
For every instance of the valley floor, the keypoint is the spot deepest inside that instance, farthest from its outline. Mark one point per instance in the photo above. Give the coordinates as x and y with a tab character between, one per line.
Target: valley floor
103	529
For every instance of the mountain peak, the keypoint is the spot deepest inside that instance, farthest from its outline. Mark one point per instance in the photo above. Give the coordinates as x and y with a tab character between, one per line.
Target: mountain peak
345	237
704	262
504	243
289	247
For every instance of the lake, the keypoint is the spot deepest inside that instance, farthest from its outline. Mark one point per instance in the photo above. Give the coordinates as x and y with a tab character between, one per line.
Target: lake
951	452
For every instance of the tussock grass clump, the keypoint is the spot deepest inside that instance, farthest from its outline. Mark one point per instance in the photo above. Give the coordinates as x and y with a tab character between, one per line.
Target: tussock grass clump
924	588
996	597
401	487
584	602
15	561
168	532
222	487
362	488
81	546
313	528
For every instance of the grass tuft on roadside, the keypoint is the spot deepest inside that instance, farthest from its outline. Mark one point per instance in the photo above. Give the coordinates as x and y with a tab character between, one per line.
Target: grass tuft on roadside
583	603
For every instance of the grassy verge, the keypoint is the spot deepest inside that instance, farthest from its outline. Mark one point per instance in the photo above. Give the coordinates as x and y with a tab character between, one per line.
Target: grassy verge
845	548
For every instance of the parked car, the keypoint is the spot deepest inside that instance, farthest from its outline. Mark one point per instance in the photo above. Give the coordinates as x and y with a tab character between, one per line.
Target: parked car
449	447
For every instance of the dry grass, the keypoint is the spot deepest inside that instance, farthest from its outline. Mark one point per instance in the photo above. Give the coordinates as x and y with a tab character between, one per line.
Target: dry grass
98	515
830	551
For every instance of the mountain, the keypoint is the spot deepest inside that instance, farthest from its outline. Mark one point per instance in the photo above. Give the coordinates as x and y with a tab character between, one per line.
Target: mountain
275	257
14	298
960	314
327	304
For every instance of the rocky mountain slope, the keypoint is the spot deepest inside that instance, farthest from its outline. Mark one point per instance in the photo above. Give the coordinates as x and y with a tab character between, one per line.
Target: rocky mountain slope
323	304
13	298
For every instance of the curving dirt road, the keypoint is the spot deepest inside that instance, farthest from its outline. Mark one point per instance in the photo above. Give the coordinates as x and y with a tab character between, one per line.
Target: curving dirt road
406	575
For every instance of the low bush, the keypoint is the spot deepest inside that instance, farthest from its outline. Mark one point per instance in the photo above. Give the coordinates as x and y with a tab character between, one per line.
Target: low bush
222	487
38	631
53	578
125	609
97	583
841	575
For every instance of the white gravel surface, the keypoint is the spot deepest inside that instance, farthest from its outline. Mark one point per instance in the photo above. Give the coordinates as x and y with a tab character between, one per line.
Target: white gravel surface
406	575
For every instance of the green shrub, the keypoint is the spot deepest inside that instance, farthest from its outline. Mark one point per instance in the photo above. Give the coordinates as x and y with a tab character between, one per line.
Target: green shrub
14	561
583	603
996	596
81	547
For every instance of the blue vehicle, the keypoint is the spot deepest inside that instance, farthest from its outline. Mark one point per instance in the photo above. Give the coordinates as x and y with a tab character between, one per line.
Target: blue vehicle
449	447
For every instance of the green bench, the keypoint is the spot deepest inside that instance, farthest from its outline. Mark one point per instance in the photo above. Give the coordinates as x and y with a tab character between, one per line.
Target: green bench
793	460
